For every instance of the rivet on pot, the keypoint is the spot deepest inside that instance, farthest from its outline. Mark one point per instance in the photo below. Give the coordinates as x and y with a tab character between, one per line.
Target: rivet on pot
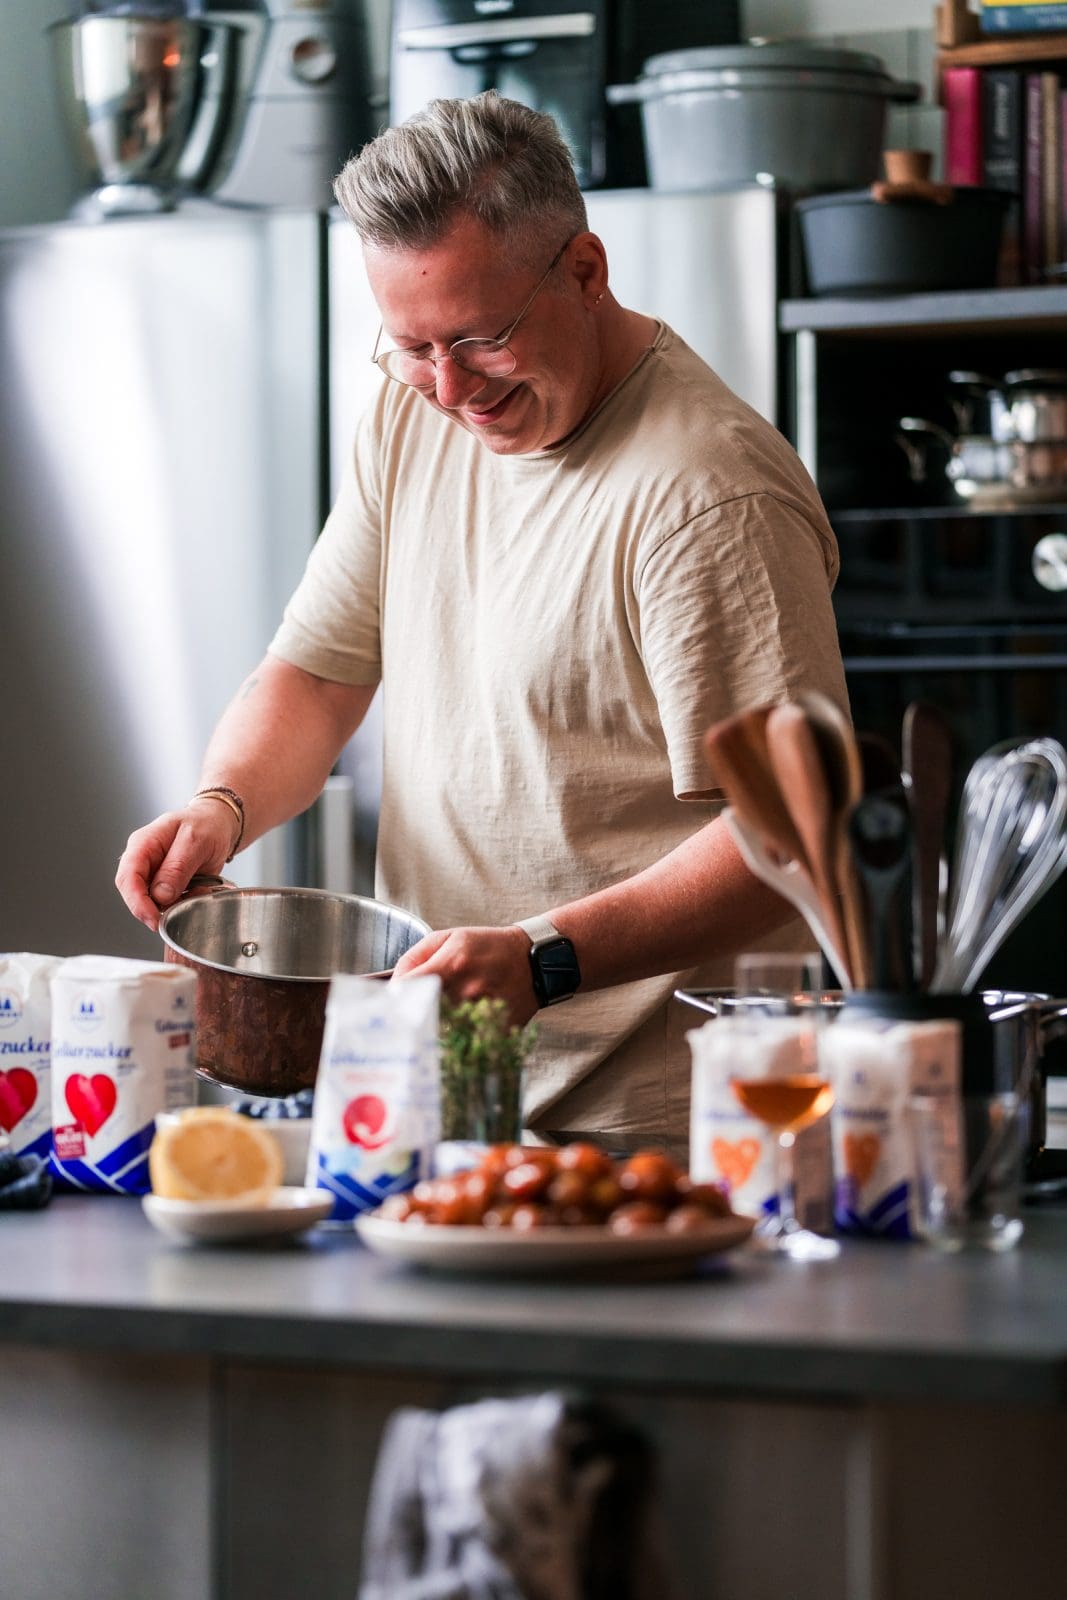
250	949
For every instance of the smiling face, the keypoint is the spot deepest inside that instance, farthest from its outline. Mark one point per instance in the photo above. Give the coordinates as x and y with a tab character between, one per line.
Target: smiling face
467	286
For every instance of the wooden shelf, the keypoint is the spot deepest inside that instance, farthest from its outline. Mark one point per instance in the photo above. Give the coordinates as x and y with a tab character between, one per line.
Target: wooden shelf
1014	49
985	310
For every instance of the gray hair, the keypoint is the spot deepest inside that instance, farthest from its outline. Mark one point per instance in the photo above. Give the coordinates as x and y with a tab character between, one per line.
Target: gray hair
486	157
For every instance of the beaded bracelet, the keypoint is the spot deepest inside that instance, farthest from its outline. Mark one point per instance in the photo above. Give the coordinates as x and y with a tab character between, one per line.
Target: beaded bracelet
236	805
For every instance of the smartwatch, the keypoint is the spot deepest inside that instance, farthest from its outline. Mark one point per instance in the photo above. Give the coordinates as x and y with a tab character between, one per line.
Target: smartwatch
553	963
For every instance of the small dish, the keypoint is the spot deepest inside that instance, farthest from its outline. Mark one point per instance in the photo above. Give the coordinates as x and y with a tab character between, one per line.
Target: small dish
550	1251
289	1211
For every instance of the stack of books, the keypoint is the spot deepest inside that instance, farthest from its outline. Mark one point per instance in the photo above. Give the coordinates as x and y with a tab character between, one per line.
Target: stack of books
1006	128
1022	16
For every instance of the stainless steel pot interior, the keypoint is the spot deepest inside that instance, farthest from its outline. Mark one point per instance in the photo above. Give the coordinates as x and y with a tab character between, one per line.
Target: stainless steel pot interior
290	934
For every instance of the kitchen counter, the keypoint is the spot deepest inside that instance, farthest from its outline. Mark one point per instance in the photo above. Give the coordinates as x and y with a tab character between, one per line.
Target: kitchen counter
859	1393
886	1321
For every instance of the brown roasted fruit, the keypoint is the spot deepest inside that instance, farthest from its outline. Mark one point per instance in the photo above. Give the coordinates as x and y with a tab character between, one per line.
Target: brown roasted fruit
525	1187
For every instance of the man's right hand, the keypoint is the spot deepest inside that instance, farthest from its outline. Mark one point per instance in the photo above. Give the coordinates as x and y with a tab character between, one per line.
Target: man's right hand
161	858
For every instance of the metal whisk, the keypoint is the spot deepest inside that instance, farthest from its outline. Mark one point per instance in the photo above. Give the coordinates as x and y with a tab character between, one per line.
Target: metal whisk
1011	848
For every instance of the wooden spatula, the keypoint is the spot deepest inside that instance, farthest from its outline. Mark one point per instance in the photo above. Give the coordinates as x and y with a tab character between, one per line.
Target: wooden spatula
844	770
806	789
736	751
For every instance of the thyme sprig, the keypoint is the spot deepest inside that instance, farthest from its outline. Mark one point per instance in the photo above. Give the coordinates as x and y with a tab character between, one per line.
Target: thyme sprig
482	1058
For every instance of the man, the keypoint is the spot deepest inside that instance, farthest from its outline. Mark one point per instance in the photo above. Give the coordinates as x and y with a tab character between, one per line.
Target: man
564	549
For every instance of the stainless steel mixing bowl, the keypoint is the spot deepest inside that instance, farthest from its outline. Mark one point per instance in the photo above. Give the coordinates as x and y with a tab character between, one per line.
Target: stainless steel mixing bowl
147	101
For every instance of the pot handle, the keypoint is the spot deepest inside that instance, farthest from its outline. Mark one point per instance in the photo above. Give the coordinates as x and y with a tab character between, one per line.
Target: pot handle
903	93
1052	1023
203	883
911	436
625	94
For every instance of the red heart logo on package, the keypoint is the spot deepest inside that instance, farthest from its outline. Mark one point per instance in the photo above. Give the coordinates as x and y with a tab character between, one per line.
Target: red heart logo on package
364	1121
92	1100
18	1091
736	1161
861	1154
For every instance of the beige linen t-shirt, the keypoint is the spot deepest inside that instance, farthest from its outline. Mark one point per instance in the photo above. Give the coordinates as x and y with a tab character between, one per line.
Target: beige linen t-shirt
553	634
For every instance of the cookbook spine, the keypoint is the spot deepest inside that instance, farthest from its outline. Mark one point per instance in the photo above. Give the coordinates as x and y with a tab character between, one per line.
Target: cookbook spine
1032	219
1022	16
1002	159
961	91
1051	176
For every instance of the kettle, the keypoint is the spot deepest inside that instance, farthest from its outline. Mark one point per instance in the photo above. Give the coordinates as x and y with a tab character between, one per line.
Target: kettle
1010	447
975	464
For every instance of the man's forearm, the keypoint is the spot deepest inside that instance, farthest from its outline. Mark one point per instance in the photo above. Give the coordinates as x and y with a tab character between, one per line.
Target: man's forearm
278	739
698	902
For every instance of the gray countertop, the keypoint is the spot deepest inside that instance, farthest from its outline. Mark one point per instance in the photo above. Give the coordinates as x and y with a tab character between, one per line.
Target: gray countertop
885	1321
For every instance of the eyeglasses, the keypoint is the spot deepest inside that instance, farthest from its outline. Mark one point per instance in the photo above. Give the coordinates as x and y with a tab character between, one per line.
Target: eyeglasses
490	358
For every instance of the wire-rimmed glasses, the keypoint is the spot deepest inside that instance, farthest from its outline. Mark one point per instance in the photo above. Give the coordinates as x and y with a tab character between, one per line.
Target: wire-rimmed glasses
489	358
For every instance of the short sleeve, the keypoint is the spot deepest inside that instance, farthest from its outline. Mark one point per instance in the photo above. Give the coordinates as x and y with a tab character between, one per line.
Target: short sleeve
735	611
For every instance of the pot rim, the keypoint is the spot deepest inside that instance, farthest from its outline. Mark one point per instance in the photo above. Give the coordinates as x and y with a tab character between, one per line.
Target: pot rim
262	892
771	55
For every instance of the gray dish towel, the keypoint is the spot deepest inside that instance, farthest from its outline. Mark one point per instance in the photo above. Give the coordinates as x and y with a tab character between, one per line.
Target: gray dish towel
540	1497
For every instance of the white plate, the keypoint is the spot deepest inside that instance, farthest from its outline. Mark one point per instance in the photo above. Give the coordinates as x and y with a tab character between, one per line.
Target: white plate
289	1211
549	1250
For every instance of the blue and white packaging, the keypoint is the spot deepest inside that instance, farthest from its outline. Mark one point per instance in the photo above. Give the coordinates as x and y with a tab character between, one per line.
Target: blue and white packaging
123	1051
377	1111
876	1067
25	1052
731	1147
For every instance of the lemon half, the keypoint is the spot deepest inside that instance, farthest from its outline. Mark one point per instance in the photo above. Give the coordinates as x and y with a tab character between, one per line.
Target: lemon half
211	1153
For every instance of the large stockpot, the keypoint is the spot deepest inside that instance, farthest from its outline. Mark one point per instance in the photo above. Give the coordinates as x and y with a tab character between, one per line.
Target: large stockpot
264	959
1006	1034
800	115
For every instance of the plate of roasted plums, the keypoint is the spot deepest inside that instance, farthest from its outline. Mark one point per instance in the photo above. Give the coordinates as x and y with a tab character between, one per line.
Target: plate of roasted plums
530	1210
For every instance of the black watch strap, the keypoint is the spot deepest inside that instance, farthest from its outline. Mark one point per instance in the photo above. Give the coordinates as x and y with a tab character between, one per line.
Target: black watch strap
553	962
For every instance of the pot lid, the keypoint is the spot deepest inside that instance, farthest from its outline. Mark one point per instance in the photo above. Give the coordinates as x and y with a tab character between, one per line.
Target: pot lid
766	55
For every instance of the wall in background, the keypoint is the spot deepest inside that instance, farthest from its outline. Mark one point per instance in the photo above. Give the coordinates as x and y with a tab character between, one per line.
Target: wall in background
38	175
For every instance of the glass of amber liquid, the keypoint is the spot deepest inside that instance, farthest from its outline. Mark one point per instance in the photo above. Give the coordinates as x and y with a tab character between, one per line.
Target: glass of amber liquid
780	1081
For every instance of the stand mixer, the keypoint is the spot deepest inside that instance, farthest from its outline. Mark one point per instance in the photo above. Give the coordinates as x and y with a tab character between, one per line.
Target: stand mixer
305	101
254	103
146	93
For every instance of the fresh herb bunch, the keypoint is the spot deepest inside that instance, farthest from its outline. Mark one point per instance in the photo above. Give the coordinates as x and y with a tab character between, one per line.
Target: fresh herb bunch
481	1071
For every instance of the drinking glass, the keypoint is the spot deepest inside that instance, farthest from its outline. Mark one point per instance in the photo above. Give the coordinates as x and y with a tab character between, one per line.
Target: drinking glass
786	983
780	1081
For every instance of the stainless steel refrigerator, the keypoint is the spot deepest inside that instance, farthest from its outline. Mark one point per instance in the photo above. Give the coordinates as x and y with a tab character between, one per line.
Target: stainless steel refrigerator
161	419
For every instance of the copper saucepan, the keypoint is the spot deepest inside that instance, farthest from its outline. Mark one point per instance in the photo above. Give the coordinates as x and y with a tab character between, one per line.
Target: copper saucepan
264	959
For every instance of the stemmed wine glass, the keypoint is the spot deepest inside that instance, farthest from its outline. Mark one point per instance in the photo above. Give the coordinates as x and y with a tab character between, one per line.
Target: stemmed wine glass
780	1080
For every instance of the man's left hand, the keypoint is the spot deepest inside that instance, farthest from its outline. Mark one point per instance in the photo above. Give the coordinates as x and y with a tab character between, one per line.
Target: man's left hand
476	962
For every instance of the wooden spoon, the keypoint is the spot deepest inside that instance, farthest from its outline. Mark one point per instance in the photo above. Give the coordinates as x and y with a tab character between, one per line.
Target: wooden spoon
736	751
807	790
844	770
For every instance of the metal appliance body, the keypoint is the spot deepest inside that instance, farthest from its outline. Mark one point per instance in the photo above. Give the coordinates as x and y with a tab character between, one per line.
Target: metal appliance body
159	495
305	101
555	55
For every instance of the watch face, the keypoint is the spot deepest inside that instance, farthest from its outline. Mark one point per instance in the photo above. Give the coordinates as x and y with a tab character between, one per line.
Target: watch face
555	971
